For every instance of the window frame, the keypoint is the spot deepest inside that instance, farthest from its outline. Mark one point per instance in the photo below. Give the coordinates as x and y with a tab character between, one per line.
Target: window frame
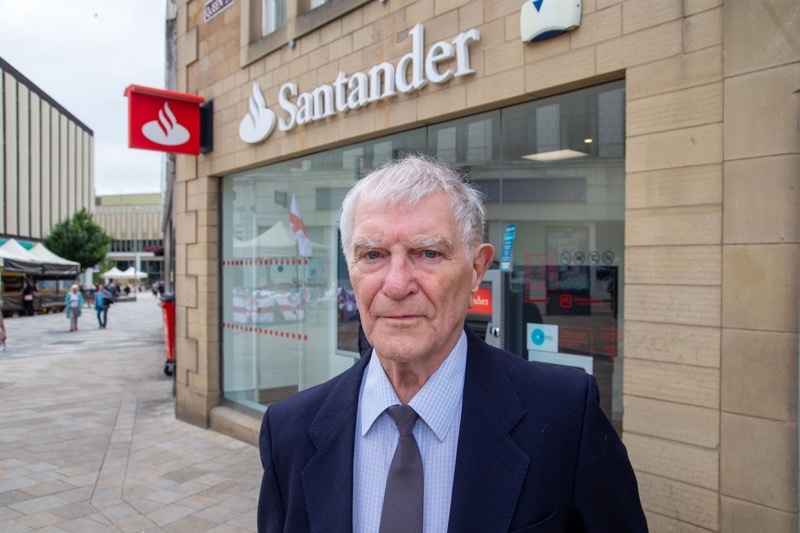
301	19
254	45
309	19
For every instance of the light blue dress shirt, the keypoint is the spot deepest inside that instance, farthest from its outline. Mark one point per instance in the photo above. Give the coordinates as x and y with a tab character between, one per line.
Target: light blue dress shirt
438	404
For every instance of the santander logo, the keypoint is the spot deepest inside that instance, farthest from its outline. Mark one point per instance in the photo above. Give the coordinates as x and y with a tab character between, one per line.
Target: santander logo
165	121
434	64
166	129
544	19
482	302
259	123
477	300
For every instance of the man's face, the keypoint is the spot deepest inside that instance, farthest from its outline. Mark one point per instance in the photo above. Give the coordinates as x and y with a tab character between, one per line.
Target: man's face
412	279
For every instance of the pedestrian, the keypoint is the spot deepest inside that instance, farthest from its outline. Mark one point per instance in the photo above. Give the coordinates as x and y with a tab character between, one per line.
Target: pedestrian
3	336
487	441
27	298
112	289
102	301
74	300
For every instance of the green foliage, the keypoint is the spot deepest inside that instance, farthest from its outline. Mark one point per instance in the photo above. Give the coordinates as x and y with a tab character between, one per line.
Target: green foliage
79	239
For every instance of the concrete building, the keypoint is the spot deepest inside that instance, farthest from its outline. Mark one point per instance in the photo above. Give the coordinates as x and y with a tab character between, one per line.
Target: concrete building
134	221
46	176
46	159
648	159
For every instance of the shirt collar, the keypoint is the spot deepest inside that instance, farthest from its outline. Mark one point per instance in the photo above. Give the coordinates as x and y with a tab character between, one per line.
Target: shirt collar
436	403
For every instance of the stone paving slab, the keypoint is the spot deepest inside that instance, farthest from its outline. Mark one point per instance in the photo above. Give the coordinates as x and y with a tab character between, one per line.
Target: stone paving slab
89	440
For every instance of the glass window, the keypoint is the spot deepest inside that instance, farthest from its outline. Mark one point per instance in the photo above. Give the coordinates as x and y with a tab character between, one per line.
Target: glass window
563	186
286	325
553	168
273	16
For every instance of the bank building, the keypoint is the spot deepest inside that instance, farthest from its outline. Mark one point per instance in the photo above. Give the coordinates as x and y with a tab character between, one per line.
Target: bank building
642	179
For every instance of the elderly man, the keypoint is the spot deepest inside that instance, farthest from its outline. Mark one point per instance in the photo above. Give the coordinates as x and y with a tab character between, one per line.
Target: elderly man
433	430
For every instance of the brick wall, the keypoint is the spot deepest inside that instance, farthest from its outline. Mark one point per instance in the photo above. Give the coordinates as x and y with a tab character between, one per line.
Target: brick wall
711	299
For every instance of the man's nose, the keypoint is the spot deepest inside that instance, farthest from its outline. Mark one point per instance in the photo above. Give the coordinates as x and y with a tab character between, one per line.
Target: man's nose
400	280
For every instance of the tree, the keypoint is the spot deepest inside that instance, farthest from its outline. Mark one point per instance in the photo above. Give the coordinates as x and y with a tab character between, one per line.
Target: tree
79	239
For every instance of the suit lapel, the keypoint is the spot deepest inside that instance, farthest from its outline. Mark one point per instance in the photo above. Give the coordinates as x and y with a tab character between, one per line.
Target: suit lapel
328	476
490	466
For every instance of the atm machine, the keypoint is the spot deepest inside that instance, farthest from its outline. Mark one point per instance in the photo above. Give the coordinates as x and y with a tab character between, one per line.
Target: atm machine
496	309
556	314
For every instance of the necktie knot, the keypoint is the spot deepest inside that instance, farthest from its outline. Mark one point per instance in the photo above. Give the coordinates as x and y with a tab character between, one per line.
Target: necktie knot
404	417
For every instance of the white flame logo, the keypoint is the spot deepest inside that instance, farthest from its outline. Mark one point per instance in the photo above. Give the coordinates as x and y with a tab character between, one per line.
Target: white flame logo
259	123
166	129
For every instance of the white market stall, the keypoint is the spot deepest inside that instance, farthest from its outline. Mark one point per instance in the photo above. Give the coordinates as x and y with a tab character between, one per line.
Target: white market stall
112	274
49	273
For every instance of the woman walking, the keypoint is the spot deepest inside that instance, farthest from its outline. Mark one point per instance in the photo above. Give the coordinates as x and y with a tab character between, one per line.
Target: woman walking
74	301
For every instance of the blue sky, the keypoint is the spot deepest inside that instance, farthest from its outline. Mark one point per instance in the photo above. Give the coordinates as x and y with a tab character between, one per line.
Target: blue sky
84	53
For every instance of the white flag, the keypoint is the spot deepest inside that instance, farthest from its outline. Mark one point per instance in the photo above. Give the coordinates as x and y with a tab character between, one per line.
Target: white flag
299	230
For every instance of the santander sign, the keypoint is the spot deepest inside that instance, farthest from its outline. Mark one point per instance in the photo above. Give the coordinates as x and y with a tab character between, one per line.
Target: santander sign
442	61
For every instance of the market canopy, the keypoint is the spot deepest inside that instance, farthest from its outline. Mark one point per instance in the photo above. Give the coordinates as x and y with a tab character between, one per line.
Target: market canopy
55	262
113	273
130	273
43	262
277	241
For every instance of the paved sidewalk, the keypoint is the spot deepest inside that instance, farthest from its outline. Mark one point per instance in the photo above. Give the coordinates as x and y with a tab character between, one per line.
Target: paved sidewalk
89	440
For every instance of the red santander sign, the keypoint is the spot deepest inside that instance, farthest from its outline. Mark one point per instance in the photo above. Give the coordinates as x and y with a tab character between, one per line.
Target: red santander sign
482	302
165	121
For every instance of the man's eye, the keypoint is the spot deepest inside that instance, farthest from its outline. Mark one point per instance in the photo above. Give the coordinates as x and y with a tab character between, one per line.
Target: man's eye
371	255
430	254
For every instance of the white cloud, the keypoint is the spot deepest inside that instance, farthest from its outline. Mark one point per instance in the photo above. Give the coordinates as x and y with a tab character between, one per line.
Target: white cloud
83	54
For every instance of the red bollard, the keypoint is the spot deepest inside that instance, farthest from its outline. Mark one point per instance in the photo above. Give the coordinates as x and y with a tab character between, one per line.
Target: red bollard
167	303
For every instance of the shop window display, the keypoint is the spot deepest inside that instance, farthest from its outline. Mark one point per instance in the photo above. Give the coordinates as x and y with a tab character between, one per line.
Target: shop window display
553	167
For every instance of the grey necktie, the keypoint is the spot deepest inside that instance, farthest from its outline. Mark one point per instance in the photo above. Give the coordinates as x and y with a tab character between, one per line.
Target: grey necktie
402	502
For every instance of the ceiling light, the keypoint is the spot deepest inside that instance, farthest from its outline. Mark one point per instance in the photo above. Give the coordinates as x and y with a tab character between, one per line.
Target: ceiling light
555	155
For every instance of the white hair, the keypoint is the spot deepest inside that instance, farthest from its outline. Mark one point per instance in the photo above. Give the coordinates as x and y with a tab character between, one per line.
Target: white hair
410	180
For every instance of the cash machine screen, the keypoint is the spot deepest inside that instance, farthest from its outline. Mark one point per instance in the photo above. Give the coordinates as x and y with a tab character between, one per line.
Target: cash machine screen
480	312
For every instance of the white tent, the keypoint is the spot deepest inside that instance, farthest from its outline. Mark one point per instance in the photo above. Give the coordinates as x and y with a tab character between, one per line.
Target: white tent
277	241
11	246
38	261
113	273
6	255
131	273
128	274
40	251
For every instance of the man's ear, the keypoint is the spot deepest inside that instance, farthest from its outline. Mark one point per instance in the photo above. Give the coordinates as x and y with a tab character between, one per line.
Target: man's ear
481	263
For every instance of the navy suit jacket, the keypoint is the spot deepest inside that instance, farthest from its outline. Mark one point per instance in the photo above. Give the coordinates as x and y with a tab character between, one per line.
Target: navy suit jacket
535	453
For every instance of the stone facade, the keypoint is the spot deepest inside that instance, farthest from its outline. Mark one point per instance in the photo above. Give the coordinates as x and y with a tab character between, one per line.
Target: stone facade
712	223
